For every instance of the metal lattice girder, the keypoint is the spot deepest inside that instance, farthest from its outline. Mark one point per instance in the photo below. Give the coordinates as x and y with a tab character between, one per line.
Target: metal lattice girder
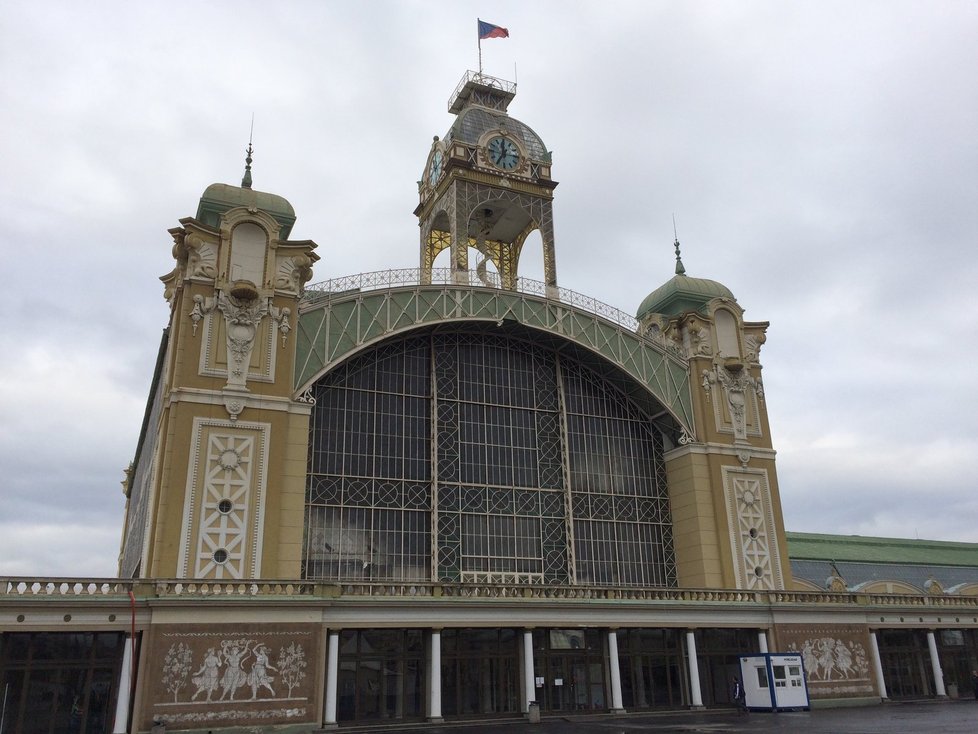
333	328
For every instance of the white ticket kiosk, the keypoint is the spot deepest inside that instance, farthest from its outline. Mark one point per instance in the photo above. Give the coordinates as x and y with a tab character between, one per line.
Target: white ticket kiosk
774	682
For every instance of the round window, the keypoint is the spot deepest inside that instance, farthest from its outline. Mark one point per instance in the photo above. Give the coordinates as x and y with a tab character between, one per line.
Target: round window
225	506
220	555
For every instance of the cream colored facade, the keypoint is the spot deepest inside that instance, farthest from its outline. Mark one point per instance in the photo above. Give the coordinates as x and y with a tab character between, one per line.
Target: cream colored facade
218	621
229	467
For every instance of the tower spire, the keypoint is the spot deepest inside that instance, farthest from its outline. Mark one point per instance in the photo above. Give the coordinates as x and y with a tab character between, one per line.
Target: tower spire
246	179
680	270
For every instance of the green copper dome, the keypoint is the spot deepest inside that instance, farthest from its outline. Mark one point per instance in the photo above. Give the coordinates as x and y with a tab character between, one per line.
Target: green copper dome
682	293
219	198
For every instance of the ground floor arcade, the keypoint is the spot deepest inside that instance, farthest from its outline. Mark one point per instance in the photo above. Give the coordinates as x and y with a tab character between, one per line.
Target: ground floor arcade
307	657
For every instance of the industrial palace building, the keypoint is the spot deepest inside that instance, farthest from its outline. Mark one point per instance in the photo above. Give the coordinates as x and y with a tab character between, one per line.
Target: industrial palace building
446	493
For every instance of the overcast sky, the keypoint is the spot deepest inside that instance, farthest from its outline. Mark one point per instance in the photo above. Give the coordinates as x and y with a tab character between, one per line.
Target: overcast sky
821	159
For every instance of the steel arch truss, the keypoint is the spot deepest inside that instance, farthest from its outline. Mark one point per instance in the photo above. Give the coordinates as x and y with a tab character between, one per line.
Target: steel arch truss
333	329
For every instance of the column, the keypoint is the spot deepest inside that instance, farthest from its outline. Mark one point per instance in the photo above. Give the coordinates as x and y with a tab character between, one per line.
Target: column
695	697
125	690
434	678
762	640
529	681
874	648
616	705
935	664
332	668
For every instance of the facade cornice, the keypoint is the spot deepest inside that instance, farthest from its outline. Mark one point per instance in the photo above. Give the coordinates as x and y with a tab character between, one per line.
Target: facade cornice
255	402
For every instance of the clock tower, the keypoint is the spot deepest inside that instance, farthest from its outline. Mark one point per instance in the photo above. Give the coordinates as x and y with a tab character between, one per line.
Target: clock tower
486	186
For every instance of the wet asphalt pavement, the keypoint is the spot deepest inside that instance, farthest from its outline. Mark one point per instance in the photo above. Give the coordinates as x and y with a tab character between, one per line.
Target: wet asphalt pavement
943	717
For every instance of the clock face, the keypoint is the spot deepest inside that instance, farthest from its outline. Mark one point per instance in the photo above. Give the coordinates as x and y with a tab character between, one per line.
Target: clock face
503	153
437	163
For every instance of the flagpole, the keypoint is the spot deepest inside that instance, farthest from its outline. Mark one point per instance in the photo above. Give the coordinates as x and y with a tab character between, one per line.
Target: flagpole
478	24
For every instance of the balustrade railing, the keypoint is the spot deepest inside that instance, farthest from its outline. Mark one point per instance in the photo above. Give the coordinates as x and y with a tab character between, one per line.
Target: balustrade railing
68	588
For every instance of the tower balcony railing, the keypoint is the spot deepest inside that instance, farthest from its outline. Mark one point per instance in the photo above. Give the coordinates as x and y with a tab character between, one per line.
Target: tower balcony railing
389	279
508	88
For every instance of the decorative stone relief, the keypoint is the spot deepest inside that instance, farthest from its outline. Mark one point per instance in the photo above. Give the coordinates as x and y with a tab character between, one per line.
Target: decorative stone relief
738	386
752	345
293	272
697	339
835	657
202	307
232	676
242	317
281	317
221	543
752	537
225	500
653	332
829	657
836	583
933	587
201	257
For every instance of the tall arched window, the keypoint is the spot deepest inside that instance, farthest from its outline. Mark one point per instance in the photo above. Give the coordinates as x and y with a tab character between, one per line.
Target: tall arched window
474	457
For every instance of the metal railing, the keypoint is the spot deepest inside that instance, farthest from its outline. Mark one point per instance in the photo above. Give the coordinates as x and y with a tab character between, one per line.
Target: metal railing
483	79
387	279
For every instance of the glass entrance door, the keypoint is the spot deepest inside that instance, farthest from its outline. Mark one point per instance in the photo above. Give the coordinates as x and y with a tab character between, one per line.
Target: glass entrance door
569	665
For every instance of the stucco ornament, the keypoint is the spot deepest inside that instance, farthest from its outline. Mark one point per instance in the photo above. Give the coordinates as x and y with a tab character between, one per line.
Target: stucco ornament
242	317
293	273
698	341
202	307
736	383
836	583
752	345
281	317
201	257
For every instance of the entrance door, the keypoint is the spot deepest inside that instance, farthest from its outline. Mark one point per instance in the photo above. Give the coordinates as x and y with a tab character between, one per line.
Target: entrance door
573	683
571	666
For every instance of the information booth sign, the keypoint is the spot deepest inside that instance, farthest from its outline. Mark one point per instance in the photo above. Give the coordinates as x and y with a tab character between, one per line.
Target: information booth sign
774	682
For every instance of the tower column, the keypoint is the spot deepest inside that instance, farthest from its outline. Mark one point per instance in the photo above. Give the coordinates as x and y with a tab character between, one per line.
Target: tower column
935	665
549	258
332	670
124	696
460	241
615	671
695	696
874	648
434	679
529	681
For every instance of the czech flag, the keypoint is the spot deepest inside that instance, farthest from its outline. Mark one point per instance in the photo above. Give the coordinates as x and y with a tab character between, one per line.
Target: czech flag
488	30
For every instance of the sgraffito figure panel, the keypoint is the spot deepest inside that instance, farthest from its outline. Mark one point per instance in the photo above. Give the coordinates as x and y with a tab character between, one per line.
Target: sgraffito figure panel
219	675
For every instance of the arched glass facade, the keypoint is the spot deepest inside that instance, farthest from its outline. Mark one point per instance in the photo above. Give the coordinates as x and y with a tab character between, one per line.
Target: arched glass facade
475	457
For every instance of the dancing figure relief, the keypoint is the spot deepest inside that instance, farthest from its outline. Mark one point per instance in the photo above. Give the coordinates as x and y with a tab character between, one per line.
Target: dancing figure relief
827	659
234	664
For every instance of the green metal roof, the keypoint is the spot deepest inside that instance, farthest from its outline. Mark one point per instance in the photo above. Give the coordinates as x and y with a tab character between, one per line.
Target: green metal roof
219	198
816	546
682	293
